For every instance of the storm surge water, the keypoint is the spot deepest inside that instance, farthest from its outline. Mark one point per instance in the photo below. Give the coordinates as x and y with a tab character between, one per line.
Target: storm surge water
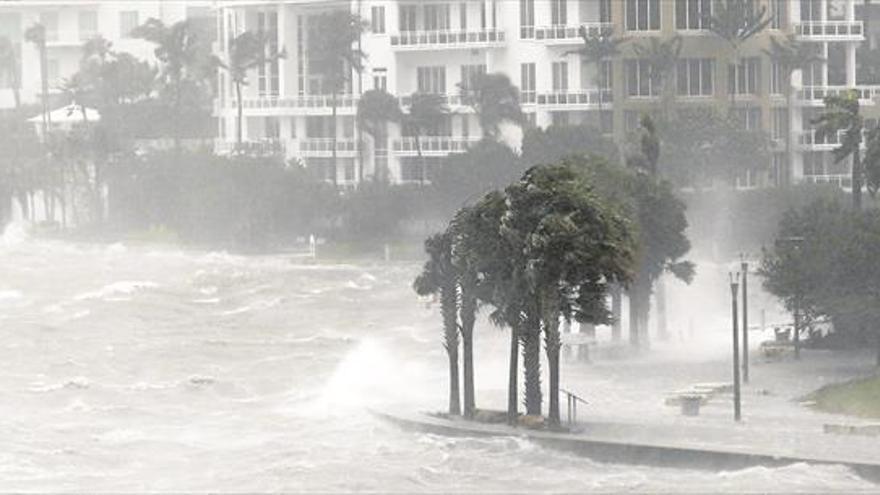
156	369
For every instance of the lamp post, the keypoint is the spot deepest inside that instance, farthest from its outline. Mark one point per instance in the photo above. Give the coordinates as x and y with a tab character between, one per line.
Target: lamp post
795	243
745	315
734	289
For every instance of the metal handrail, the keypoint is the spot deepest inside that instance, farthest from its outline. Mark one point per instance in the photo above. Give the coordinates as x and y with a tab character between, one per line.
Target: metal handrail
572	402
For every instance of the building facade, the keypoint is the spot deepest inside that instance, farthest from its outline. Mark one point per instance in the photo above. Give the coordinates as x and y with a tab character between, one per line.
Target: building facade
435	47
69	24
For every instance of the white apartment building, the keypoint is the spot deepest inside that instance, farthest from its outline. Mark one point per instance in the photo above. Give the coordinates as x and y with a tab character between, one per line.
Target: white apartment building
434	45
71	23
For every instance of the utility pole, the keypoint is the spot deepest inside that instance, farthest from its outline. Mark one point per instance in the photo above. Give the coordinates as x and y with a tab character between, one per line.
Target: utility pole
745	314
734	289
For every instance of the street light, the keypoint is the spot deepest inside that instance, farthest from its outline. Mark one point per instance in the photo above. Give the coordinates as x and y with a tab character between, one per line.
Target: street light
795	242
734	289
745	304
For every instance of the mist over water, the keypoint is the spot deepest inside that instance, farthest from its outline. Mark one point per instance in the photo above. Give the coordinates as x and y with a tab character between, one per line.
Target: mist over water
132	368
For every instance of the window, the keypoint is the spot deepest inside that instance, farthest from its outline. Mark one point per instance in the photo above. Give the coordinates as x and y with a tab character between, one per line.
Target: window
469	74
437	17
128	20
407	19
293	128
462	16
380	79
693	14
560	77
273	127
558	12
778	79
431	79
814	163
694	77
778	14
377	20
606	75
268	74
605	10
779	124
526	18
811	10
638	79
527	82
642	15
748	118
744	78
88	24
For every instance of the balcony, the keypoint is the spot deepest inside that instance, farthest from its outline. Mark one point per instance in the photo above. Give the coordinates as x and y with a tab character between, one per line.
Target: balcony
299	105
433	145
454	102
433	40
829	30
815	95
567	35
810	140
587	99
323	147
261	147
69	37
843	181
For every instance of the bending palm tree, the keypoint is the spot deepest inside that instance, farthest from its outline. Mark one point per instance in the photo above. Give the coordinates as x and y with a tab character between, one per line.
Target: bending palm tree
426	111
375	110
597	48
737	21
842	115
495	100
662	57
790	55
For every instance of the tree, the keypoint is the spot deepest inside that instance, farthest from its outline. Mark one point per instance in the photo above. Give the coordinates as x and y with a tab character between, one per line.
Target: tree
790	55
247	51
426	112
596	49
495	100
186	66
375	110
662	57
439	277
334	55
551	145
842	114
9	66
463	177
736	22
36	34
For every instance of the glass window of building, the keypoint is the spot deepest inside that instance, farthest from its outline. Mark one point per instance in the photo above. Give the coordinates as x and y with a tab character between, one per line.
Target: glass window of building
642	15
377	19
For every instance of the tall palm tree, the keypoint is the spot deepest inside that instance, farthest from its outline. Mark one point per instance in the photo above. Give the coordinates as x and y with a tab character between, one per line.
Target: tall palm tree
842	114
736	22
375	110
247	51
596	49
495	100
36	34
790	55
9	66
185	60
334	52
662	57
426	111
439	277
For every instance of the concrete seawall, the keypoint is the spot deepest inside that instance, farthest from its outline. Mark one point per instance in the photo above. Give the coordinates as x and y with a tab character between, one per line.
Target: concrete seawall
614	443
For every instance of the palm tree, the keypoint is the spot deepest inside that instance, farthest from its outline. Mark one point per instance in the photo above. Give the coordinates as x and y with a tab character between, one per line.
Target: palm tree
662	57
735	22
842	115
334	54
426	112
247	51
9	66
495	100
439	277
790	55
36	34
598	48
186	63
375	110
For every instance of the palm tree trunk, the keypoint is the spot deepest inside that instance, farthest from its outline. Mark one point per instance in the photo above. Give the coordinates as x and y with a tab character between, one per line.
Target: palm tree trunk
532	364
448	306
468	319
616	312
421	159
333	152
512	375
634	333
239	122
857	177
662	330
552	347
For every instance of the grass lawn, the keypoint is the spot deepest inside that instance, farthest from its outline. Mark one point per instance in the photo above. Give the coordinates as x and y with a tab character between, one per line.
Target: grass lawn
857	398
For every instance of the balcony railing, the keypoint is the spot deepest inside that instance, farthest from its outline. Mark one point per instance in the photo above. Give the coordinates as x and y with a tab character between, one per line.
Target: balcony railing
446	38
317	147
568	34
810	139
266	146
450	100
306	102
843	181
829	30
575	99
433	145
817	94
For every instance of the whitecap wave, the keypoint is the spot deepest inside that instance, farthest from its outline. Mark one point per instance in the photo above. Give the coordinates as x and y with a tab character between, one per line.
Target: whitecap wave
117	289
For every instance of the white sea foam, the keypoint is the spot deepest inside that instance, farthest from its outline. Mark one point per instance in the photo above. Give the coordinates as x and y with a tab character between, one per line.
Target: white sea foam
116	289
